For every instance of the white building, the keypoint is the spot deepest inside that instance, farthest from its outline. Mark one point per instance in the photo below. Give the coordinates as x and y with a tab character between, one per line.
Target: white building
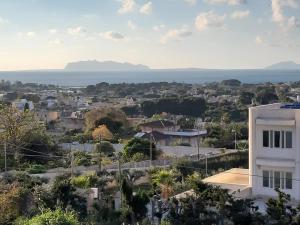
21	104
274	150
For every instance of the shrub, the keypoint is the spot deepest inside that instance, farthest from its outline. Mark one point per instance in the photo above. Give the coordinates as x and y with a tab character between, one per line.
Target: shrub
85	181
36	168
57	217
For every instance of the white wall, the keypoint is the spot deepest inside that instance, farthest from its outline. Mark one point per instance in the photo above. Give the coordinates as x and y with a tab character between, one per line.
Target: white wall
273	156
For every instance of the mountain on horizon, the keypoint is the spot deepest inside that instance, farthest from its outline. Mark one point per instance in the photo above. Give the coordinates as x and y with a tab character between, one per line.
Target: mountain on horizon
94	65
287	65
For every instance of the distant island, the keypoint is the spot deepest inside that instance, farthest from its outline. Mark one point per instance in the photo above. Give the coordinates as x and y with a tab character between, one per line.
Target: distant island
287	65
94	65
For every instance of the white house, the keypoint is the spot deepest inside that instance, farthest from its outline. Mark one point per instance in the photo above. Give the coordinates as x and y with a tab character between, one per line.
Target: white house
274	149
21	104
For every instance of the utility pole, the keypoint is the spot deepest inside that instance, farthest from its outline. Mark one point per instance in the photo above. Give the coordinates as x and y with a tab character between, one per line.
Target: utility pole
100	159
120	179
198	144
151	149
206	165
234	139
72	164
5	157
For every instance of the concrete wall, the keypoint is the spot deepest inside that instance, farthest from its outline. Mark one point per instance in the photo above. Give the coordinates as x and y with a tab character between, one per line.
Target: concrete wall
277	159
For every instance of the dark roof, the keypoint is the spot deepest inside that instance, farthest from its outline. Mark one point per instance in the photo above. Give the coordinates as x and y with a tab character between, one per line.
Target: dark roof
158	124
158	135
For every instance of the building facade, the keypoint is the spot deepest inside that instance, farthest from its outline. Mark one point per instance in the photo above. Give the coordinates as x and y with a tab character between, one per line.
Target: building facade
274	150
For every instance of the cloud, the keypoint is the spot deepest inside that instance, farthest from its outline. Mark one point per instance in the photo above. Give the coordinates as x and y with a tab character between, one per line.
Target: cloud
75	31
175	35
209	19
131	25
240	14
52	31
191	2
158	27
127	6
3	21
292	22
112	35
228	2
258	40
146	8
278	16
56	41
29	34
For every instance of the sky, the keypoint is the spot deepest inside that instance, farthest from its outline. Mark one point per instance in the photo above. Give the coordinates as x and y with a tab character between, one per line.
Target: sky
216	34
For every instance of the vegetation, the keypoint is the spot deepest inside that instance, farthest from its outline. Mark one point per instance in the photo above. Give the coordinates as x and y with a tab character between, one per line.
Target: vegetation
57	217
138	148
177	106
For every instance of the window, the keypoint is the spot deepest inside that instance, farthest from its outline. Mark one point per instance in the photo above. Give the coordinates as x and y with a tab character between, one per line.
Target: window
271	179
277	179
266	138
288	139
288	180
276	139
271	138
266	178
282	139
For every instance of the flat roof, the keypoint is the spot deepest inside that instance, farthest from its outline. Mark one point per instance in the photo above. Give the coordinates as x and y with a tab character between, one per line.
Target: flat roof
295	105
235	176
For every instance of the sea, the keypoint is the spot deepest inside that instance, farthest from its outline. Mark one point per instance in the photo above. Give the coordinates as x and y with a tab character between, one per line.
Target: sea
81	79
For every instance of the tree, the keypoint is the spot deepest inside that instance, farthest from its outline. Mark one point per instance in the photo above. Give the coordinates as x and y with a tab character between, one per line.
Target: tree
64	195
18	129
13	200
165	180
136	202
186	123
95	115
245	97
105	148
18	126
231	82
57	217
266	95
113	126
138	146
279	211
189	106
102	133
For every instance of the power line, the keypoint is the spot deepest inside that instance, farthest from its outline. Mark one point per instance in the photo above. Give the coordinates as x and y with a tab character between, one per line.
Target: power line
235	173
45	154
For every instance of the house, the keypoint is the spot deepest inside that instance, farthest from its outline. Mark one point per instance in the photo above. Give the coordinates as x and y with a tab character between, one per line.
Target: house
158	125
235	180
191	138
23	104
274	149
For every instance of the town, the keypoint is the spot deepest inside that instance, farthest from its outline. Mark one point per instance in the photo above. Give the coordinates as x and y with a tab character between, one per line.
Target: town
150	153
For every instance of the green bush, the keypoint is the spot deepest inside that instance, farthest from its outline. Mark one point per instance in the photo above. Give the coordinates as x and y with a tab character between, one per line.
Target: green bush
36	168
85	181
82	159
57	217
